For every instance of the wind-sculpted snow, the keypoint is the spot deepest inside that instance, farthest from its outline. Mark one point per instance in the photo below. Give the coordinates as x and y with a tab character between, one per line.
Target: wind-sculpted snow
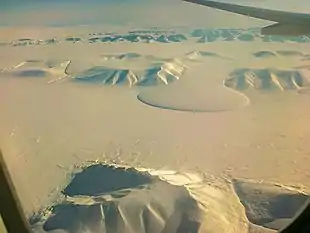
108	199
268	79
111	198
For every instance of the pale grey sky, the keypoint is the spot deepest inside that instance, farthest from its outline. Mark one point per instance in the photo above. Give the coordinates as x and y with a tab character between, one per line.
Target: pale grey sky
138	13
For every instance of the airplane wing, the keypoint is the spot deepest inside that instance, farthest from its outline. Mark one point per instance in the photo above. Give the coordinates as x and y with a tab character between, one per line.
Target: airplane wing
288	23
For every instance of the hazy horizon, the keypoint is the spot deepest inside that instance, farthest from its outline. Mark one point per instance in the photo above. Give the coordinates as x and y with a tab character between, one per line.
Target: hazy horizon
137	13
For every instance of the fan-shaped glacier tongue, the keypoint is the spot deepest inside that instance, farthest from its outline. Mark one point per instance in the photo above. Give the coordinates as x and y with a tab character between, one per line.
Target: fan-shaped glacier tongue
194	95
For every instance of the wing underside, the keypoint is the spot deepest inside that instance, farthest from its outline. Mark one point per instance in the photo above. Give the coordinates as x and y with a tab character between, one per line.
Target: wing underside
288	23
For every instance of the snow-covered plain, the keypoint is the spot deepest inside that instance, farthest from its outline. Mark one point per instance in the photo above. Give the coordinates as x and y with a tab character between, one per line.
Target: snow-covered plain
214	124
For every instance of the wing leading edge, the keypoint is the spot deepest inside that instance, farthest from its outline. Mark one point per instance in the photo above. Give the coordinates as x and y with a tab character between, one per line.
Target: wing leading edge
288	23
